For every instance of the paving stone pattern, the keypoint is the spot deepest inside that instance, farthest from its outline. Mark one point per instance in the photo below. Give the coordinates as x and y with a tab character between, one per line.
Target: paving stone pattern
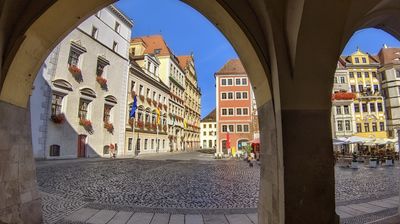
366	184
192	191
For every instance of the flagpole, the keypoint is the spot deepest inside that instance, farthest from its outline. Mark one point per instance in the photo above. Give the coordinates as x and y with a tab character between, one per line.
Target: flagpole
133	136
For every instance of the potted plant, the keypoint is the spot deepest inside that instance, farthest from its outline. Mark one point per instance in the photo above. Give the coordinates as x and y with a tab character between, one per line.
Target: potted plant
149	100
102	81
389	160
373	162
87	124
74	70
109	127
155	103
147	125
154	126
354	162
141	97
58	118
140	124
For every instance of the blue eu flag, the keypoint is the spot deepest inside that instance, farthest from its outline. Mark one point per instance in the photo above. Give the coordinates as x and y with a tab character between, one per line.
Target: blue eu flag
133	109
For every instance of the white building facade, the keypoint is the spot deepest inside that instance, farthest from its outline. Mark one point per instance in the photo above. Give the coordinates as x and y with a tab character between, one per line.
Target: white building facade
79	101
208	131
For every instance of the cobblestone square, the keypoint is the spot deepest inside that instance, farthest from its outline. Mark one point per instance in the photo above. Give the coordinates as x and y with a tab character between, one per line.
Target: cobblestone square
184	186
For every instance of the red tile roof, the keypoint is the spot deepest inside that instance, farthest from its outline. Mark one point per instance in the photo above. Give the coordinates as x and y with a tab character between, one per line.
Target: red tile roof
233	66
153	43
389	55
211	117
184	60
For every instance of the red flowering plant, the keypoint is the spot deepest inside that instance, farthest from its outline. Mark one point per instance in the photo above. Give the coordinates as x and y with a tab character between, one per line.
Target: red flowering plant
147	125
74	70
165	128
58	118
343	96
109	127
149	100
155	102
154	126
160	105
165	106
87	124
102	81
140	124
141	97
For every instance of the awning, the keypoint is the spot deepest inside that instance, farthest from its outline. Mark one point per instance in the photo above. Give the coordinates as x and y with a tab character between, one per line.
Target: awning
255	141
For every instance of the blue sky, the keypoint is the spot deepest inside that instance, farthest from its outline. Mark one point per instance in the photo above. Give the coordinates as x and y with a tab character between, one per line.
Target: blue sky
185	31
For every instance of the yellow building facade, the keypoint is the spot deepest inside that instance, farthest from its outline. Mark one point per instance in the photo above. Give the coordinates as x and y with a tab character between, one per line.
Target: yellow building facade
369	109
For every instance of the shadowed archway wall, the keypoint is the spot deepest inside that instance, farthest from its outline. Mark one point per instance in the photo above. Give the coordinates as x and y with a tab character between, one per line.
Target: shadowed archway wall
289	49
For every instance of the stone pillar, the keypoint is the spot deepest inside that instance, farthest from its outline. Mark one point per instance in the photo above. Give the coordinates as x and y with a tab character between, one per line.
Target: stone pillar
19	197
309	180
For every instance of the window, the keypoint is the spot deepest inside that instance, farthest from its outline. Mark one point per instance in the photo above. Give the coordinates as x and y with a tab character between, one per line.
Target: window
353	88
238	111
372	107
374	128
133	85
366	127
230	111
346	109
244	95
152	143
54	150
204	125
204	143
380	108
360	88
239	128
163	143
129	144
56	104
356	107
73	57
148	93
244	81
141	90
358	74
238	95
83	109
154	95
357	60
224	128
106	115
351	74
364	60
230	82
366	74
381	126
100	67
245	128
245	111
374	74
223	82
204	133
342	79
224	112
115	46
145	144
340	125
210	133
94	32
347	125
223	96
364	107
117	27
210	126
338	110
397	73
231	128
359	127
230	95
376	88
237	82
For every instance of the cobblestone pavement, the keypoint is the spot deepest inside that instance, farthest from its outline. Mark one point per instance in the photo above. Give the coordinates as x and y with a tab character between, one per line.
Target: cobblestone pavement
130	184
184	186
366	184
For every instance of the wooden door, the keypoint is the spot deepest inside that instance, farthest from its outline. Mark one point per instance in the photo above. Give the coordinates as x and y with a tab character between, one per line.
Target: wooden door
81	146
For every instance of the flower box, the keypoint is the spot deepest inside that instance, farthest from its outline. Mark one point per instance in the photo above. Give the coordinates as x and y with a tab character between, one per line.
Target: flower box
165	106
85	123
140	124
149	100
155	103
58	118
343	96
147	125
141	97
74	70
373	163
165	128
109	127
102	81
160	105
154	126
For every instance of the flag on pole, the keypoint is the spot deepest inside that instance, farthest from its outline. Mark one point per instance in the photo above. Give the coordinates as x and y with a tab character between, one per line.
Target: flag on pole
228	141
133	108
185	123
